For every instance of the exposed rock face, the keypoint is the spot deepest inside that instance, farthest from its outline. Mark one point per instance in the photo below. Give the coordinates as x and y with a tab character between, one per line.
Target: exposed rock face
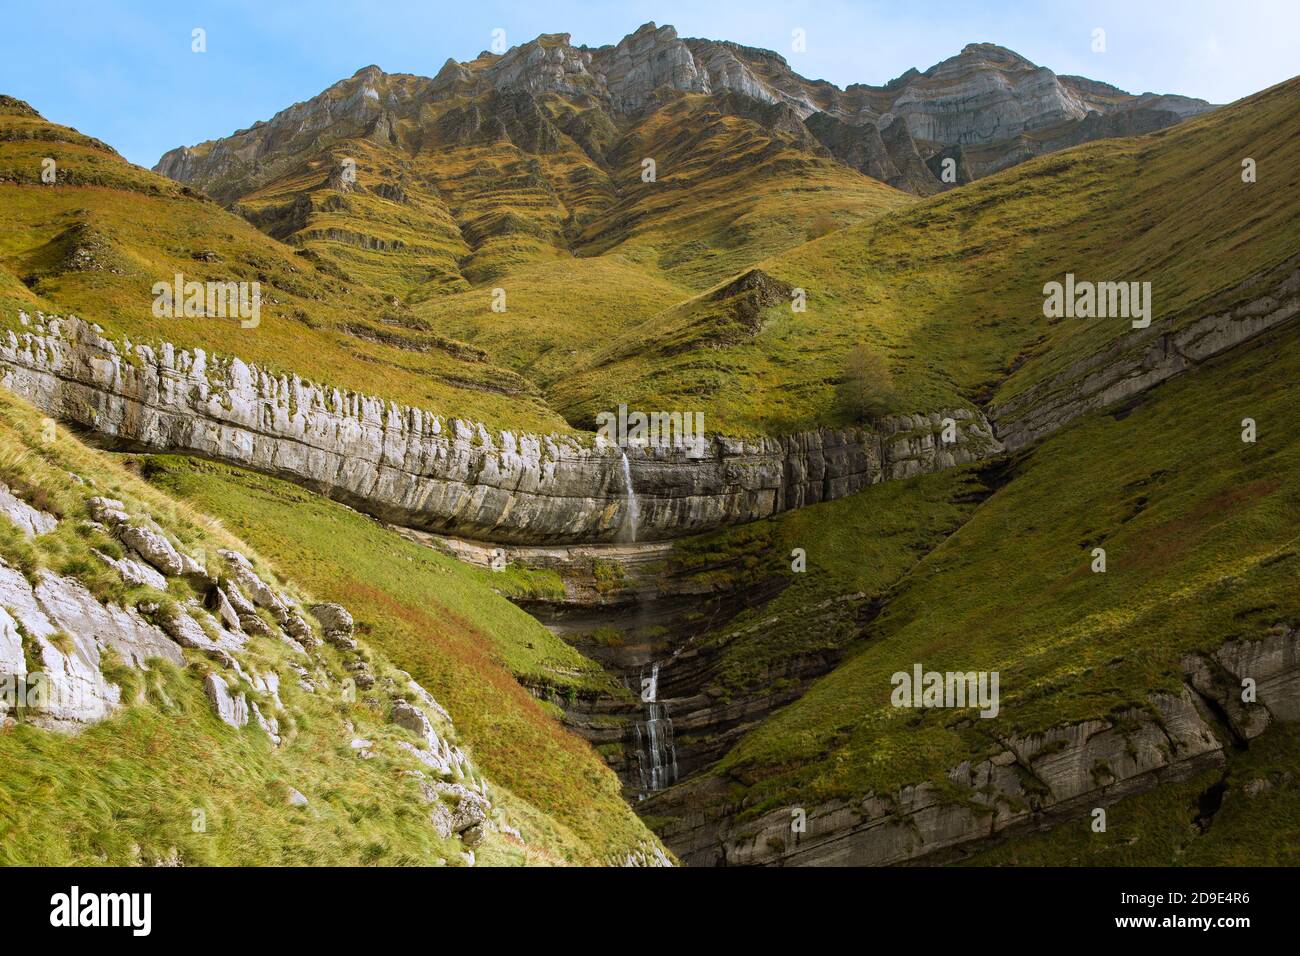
68	632
231	709
336	624
859	146
134	572
1144	358
144	538
434	752
1029	781
62	649
646	856
264	596
986	97
32	522
413	468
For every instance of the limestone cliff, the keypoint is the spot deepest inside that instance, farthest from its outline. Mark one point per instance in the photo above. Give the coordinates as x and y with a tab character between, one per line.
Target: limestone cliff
414	468
1144	358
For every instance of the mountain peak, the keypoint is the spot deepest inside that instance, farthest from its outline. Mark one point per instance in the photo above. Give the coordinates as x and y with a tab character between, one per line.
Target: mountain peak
988	55
986	95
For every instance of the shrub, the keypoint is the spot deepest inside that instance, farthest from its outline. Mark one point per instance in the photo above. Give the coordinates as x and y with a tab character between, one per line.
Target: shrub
866	389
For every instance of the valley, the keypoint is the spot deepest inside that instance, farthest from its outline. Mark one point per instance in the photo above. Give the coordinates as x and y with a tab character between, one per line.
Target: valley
881	438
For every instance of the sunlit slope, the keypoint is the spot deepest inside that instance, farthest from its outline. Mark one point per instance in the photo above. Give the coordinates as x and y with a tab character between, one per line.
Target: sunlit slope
96	242
444	622
728	190
950	290
552	311
439	200
1200	534
353	206
124	791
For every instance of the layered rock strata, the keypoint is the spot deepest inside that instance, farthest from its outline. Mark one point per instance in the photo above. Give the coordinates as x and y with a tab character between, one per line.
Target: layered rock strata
1144	358
410	467
1025	782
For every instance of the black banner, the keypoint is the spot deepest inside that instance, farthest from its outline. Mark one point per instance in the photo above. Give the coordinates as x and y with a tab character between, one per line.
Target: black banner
139	907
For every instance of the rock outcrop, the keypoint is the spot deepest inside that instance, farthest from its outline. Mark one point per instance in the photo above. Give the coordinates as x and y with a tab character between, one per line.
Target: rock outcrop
32	522
57	639
1026	782
54	639
1146	357
413	468
230	708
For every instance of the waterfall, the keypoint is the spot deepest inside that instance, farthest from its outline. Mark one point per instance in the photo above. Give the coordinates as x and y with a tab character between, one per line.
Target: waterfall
630	526
656	755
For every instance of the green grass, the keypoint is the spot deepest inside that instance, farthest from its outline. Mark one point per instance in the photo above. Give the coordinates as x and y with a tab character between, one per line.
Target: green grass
127	790
124	791
949	289
441	621
1200	534
599	268
135	228
133	780
856	550
377	559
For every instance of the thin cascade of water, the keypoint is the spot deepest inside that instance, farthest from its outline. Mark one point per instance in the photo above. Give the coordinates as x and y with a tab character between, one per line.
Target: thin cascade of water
630	527
656	754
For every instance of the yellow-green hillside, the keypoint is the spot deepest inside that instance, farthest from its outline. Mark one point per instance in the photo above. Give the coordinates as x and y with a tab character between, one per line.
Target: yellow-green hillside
950	289
1200	534
96	242
124	790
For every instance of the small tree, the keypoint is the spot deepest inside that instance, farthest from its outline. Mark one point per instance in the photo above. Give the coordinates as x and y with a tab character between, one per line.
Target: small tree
865	390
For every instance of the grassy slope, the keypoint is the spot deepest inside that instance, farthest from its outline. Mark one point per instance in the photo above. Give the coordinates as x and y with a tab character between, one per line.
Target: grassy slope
379	294
1200	533
553	309
950	289
123	791
728	193
554	212
439	620
726	196
140	228
857	549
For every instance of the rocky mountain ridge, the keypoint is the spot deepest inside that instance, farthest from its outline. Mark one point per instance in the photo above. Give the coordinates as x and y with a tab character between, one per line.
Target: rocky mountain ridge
985	108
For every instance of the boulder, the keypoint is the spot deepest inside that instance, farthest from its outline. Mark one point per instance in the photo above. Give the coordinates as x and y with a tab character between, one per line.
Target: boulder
133	572
31	521
413	719
336	625
468	809
232	710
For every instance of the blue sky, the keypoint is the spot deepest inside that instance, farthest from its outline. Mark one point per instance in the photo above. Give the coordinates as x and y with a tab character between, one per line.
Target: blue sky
124	72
